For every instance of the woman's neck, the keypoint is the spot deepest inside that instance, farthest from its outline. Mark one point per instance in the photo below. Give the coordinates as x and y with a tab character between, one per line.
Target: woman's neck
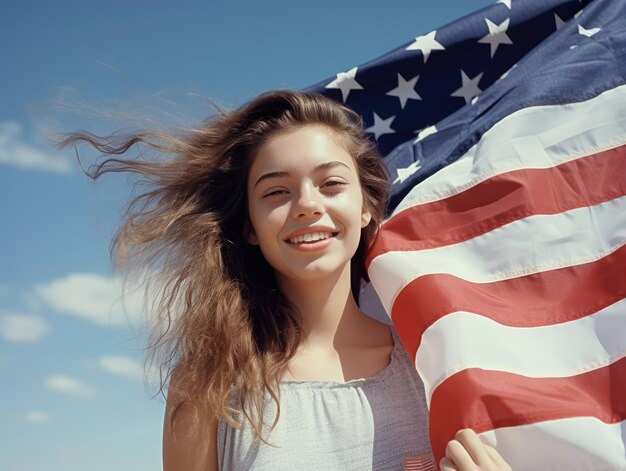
327	308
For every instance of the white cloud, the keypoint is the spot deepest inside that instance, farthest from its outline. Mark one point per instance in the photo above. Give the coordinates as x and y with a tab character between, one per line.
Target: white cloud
70	386
122	366
93	297
129	368
18	153
21	328
36	417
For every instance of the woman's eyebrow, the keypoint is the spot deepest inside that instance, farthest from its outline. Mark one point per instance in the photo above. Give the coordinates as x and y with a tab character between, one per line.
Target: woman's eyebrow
265	176
323	166
329	165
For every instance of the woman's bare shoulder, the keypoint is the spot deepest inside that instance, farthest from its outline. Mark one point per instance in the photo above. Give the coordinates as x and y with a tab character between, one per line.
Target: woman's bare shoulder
189	432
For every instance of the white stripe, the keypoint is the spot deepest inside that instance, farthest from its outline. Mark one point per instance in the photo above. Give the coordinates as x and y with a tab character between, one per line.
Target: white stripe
536	137
464	340
531	245
580	443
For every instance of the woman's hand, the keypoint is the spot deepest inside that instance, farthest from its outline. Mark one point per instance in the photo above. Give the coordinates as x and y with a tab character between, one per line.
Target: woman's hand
467	453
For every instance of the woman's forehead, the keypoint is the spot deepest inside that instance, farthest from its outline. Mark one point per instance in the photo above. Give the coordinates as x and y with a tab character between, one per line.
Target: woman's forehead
303	146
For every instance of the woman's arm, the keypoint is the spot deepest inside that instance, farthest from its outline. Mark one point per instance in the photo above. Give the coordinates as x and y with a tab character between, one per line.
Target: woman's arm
190	440
467	453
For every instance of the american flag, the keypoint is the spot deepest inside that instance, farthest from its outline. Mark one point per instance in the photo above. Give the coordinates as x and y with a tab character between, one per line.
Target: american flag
503	261
418	463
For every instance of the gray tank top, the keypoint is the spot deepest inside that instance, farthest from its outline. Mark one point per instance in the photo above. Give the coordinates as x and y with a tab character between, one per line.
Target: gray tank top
375	423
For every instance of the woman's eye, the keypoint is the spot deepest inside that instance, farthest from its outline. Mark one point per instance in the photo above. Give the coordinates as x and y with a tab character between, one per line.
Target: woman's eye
274	192
334	183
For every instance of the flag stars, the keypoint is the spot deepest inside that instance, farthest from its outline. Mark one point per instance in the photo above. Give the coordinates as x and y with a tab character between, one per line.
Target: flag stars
426	44
469	88
346	82
497	35
381	126
405	90
506	3
588	32
404	173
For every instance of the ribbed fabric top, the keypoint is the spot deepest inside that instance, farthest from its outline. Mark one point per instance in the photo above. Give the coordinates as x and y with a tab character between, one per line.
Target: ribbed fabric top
374	423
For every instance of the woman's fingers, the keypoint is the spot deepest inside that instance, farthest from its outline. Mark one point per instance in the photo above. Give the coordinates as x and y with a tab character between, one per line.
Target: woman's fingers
459	456
474	447
447	465
467	453
497	458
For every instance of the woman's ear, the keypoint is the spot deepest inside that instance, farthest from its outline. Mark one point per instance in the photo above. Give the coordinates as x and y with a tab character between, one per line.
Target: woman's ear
366	217
249	234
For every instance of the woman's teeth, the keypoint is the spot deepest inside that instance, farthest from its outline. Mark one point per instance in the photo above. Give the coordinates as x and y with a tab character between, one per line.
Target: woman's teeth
313	237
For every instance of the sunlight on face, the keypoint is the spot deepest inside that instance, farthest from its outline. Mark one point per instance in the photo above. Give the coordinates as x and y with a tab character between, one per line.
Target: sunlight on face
305	204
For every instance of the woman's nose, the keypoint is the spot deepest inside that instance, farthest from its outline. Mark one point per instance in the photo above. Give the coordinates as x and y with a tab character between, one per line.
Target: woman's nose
308	203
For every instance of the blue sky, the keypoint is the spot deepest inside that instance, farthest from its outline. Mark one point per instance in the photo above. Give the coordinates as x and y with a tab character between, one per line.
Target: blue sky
70	354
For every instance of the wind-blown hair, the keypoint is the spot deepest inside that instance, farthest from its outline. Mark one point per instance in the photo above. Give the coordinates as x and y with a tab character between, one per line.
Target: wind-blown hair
224	328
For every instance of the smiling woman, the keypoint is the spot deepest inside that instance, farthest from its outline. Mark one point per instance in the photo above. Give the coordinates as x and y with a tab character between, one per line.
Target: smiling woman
258	224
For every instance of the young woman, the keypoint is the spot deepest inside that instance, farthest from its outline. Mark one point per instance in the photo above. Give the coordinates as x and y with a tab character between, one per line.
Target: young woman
258	223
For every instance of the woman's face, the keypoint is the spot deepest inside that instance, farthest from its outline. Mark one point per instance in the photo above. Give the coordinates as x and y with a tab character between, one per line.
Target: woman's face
305	204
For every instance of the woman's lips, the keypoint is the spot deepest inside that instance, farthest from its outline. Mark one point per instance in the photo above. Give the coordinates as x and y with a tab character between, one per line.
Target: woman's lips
310	237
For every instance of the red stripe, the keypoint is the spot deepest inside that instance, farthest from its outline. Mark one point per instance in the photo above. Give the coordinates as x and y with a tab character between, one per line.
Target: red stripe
503	199
484	400
545	298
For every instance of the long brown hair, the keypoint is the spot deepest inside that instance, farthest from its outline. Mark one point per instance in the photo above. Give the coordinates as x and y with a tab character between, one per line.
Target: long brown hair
223	325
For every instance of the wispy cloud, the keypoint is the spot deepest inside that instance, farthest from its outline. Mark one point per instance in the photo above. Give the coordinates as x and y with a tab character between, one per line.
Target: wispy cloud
70	386
17	152
93	297
121	366
36	417
22	328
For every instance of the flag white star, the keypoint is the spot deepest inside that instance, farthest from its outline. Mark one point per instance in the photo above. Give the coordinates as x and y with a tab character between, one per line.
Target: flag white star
497	35
426	44
424	133
381	126
506	2
405	90
558	21
588	32
469	88
404	173
346	82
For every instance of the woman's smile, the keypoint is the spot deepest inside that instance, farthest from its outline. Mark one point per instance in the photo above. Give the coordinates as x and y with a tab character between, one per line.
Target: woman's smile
307	238
310	235
311	242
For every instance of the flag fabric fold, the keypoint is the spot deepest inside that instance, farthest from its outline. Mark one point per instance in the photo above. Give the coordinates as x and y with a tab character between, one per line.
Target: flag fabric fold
502	260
